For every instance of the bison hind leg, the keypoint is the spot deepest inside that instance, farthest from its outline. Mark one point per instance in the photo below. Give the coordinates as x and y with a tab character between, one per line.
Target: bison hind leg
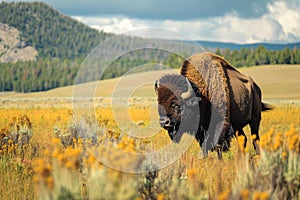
255	136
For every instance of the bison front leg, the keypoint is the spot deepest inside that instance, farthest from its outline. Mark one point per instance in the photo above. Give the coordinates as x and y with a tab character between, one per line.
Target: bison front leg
219	151
241	133
202	137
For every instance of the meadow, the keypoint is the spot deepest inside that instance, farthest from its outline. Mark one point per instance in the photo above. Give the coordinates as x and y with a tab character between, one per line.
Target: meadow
46	153
276	82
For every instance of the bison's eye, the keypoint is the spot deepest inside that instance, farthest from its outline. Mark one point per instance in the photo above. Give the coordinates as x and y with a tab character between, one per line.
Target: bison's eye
176	107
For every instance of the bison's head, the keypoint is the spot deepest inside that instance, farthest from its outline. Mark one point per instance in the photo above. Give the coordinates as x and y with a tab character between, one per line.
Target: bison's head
178	105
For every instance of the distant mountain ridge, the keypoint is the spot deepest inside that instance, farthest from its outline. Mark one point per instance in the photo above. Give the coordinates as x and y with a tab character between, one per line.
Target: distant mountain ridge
235	46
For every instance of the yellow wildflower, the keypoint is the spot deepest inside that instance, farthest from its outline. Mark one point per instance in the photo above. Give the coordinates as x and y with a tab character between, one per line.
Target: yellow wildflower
264	196
241	140
191	173
245	194
43	173
260	195
256	195
55	141
61	157
55	153
278	141
224	195
160	196
50	182
284	154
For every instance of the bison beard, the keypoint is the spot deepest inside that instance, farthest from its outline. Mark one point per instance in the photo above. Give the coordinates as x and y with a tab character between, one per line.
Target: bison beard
187	103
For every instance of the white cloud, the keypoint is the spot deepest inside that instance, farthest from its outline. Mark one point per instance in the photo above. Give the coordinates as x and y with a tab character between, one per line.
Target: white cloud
279	24
288	16
112	24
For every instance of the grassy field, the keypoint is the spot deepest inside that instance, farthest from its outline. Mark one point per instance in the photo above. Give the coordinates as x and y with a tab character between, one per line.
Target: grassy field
45	153
276	81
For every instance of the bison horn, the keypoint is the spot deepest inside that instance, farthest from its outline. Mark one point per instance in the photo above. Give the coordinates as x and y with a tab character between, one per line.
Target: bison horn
156	85
189	93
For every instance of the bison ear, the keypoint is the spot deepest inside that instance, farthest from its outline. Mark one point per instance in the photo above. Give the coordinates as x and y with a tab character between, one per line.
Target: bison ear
156	85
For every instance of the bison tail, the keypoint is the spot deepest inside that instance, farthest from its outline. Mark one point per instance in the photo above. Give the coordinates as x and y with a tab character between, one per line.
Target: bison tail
266	107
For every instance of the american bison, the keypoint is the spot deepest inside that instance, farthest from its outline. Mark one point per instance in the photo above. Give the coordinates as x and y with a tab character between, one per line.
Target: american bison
210	100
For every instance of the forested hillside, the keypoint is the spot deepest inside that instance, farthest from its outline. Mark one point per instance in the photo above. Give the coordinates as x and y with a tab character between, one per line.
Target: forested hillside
49	32
260	56
40	75
45	74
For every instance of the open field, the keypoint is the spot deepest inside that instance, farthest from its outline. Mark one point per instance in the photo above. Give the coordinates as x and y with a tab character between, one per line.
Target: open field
276	82
57	156
56	164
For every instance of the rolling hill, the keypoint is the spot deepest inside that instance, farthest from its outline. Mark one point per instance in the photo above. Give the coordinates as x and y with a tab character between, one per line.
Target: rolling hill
276	82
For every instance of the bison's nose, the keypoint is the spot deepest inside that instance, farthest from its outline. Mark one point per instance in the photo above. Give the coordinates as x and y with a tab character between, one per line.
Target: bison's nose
164	121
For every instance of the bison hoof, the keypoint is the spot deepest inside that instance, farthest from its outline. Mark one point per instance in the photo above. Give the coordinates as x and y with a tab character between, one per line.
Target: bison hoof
203	155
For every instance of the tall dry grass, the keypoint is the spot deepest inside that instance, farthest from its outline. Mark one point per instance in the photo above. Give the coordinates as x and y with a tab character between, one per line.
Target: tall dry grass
57	165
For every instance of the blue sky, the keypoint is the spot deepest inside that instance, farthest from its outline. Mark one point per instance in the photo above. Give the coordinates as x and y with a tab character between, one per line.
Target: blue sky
239	21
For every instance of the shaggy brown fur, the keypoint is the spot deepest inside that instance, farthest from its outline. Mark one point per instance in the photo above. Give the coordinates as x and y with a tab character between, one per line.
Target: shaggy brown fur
207	72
